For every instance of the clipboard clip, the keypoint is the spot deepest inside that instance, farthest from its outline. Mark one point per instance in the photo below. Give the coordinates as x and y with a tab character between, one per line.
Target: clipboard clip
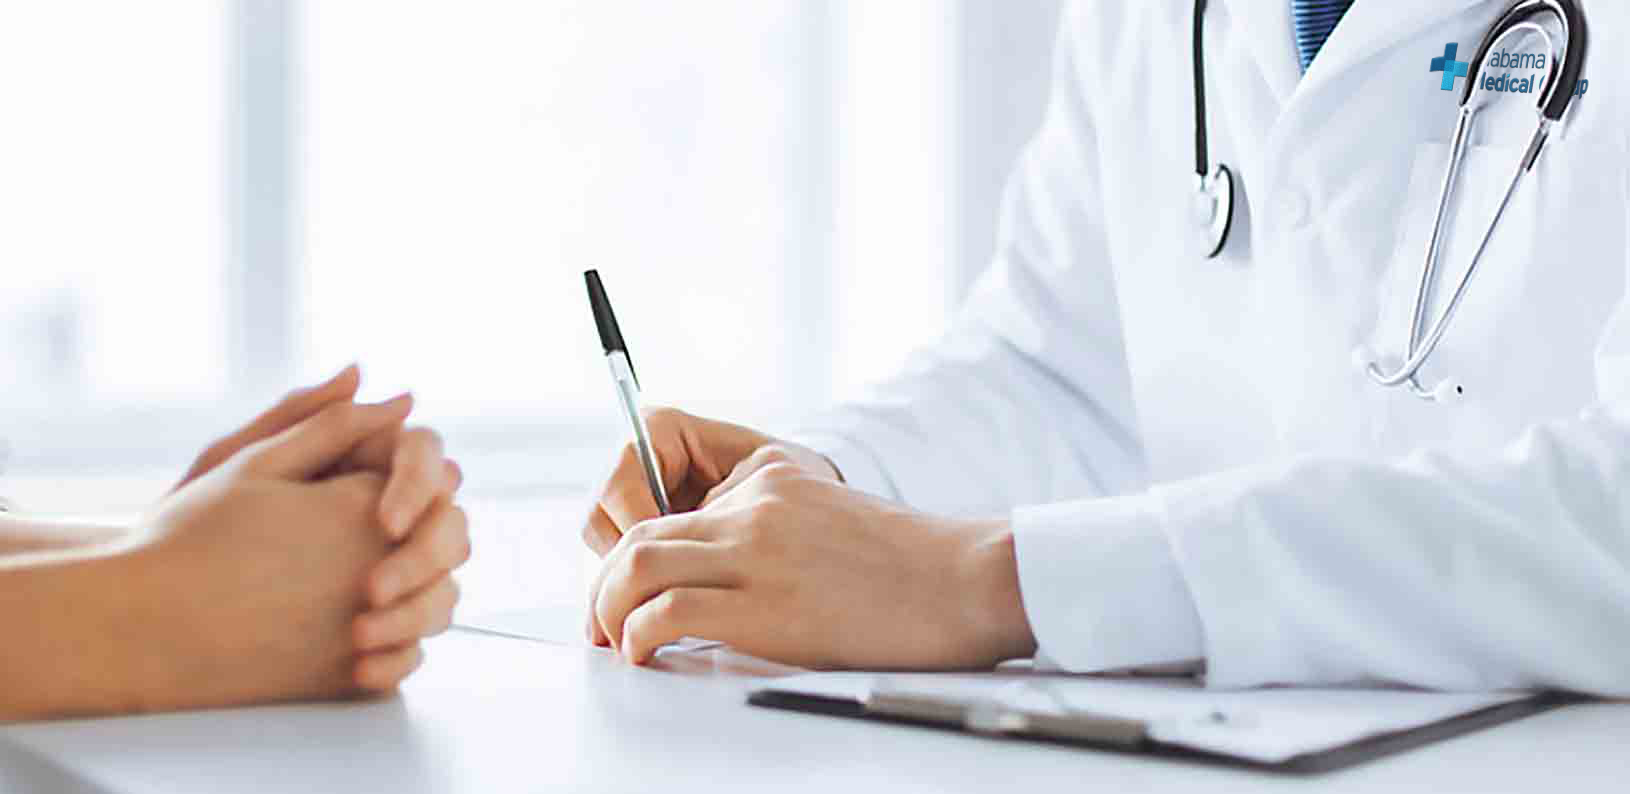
995	719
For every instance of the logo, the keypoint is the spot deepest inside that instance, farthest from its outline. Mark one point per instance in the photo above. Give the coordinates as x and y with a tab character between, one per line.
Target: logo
1450	67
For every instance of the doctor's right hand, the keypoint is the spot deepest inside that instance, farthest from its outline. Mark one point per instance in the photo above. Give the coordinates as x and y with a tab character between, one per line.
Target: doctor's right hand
701	459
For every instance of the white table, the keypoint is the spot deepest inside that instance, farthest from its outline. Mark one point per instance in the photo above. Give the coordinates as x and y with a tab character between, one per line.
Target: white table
491	714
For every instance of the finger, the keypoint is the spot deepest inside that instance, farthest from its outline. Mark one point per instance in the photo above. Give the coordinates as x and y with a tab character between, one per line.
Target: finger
424	614
418	474
439	543
375	453
696	447
710	612
597	638
295	407
683	526
627	499
647	569
301	404
600	532
383	671
761	457
320	441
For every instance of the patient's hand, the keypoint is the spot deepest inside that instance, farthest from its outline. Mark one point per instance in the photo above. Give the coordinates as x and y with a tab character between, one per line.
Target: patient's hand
408	589
255	573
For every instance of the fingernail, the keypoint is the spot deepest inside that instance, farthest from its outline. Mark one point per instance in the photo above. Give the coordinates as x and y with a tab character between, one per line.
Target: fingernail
400	401
345	372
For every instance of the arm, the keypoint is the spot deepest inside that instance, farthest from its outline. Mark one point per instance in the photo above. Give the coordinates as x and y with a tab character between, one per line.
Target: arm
1442	572
974	424
1027	398
157	618
69	617
1503	571
1510	570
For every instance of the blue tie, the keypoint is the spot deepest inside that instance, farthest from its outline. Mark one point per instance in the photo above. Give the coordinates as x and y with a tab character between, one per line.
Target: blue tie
1314	20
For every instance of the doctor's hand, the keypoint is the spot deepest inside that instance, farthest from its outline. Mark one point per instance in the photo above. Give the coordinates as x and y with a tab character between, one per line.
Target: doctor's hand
701	459
797	568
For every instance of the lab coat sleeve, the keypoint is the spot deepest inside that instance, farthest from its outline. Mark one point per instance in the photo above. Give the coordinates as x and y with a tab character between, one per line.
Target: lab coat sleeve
1508	570
1434	571
1026	399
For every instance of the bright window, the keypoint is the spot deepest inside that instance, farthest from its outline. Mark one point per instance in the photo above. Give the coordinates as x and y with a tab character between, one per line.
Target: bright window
111	191
468	160
207	202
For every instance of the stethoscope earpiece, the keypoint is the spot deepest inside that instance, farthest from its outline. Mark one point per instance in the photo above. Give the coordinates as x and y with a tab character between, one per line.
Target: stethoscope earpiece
1448	391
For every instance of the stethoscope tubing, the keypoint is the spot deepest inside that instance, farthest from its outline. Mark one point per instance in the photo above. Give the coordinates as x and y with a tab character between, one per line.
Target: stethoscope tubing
1566	66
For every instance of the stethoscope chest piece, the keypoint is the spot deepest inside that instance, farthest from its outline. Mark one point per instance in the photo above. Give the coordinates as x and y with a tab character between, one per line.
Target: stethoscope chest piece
1214	184
1216	206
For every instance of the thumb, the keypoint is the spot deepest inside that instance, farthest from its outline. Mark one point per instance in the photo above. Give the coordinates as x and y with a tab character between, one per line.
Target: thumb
317	443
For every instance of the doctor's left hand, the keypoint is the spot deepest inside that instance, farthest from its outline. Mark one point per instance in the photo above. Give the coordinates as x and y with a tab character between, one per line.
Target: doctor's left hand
417	508
799	569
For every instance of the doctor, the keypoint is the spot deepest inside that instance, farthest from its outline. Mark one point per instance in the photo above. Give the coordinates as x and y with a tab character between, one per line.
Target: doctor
1128	453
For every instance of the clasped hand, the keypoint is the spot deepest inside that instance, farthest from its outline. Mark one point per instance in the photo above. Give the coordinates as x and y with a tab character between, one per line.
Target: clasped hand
331	532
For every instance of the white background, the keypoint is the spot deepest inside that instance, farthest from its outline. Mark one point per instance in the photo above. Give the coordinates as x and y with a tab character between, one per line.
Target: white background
208	202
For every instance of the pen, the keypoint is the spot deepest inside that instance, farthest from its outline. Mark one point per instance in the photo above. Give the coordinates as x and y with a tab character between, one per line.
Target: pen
628	385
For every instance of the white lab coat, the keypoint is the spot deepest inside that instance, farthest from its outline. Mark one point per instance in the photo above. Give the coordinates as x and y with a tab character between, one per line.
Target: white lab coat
1194	464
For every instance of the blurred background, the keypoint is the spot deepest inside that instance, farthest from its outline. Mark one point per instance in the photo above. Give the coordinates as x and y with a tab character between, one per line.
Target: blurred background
207	202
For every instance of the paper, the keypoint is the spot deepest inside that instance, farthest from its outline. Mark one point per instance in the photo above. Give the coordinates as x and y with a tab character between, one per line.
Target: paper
1266	725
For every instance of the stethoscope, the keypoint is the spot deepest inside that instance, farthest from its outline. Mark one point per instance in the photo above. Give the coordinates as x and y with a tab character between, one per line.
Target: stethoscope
1215	185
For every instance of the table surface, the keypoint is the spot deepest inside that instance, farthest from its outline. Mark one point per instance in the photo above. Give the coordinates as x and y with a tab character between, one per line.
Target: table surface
492	714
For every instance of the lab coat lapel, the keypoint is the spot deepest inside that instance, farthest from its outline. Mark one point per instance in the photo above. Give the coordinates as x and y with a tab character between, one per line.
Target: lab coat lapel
1266	28
1372	26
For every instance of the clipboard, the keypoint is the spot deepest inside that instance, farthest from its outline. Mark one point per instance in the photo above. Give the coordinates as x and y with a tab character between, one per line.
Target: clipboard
1118	732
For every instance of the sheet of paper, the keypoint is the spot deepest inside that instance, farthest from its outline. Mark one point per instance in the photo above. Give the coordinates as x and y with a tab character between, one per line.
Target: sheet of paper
1267	725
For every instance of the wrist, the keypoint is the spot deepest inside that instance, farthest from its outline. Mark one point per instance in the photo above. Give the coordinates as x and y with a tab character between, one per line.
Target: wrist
139	628
993	607
173	659
89	644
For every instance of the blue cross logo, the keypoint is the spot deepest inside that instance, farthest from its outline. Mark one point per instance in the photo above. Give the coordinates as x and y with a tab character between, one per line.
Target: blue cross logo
1450	67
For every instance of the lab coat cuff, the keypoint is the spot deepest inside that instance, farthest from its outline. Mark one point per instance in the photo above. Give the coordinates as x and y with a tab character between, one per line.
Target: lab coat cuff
858	466
1209	524
1101	588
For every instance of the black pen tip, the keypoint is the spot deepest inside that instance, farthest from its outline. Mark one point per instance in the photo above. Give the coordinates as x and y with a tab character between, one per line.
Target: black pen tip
611	337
